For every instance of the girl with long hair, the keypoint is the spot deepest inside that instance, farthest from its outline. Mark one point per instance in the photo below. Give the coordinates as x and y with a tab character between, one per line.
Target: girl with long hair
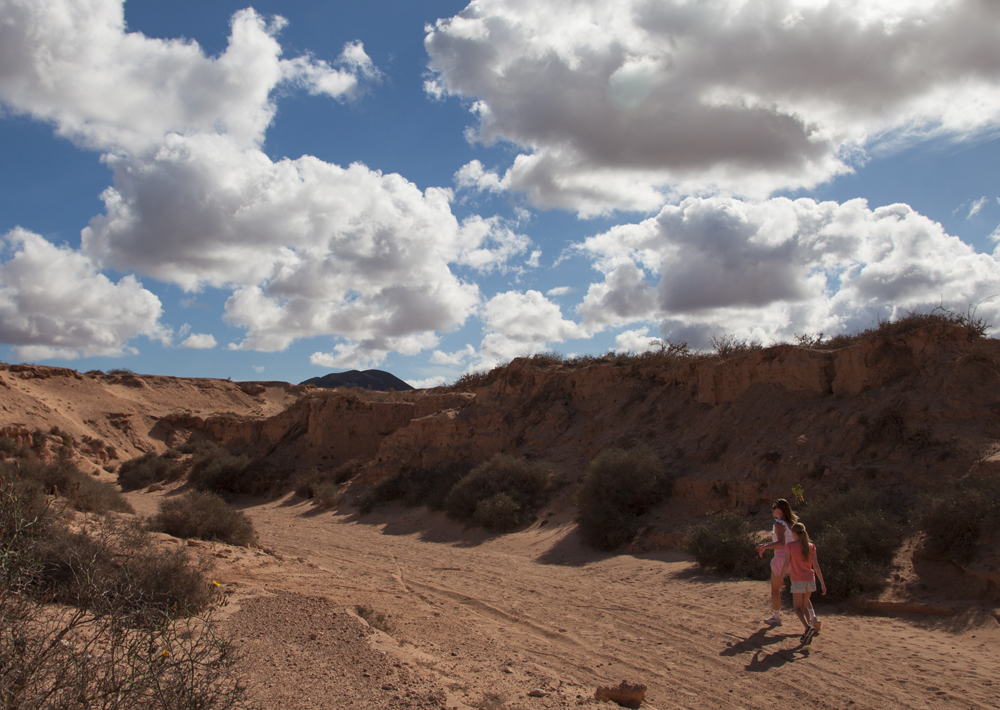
803	567
781	534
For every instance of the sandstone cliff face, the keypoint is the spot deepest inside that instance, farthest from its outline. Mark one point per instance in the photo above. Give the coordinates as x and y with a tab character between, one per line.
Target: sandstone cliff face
740	432
111	417
737	432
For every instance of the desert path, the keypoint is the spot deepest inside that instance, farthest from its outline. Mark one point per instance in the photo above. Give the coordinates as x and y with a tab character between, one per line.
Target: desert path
489	618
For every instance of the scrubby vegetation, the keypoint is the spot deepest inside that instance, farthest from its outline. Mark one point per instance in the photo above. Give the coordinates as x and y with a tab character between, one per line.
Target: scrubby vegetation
148	469
725	543
205	516
725	346
619	487
857	534
376	619
324	487
120	633
964	514
81	491
501	493
415	486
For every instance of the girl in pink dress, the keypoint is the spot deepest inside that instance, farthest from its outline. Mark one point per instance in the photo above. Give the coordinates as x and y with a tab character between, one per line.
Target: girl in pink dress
781	533
803	567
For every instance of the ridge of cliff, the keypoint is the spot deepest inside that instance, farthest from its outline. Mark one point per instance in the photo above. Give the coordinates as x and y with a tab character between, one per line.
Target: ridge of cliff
906	410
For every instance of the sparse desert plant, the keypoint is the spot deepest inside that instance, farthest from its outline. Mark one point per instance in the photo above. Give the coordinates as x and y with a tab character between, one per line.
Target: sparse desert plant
327	495
147	469
215	469
376	619
417	486
619	487
120	371
63	478
115	641
965	513
857	534
727	346
205	516
498	512
525	483
726	543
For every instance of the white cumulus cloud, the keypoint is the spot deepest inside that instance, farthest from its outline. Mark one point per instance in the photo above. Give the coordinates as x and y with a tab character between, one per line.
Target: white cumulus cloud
623	105
780	267
199	341
54	303
520	324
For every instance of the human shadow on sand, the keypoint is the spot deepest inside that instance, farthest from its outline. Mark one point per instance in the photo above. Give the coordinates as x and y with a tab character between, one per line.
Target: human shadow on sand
761	662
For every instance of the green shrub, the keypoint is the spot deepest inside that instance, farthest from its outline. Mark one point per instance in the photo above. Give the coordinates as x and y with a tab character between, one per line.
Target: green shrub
147	469
311	483
120	571
857	534
726	543
327	495
216	470
206	516
84	492
498	512
967	512
418	486
119	643
525	483
619	487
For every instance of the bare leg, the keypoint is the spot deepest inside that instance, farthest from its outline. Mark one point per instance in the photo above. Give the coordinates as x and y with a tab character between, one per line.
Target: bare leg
801	602
775	592
817	624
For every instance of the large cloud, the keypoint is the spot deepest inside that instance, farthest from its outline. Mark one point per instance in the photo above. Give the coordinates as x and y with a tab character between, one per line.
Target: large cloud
777	268
55	304
519	324
71	62
620	105
308	248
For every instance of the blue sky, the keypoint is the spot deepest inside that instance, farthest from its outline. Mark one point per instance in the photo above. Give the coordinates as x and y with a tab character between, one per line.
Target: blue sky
285	189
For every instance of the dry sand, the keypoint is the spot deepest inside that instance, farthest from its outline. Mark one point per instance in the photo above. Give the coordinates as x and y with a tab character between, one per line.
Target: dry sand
478	621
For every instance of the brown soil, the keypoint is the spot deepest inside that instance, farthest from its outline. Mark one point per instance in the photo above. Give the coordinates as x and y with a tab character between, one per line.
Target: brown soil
479	621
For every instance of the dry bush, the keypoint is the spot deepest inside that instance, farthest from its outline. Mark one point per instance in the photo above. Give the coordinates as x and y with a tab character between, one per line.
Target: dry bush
526	483
726	543
115	641
890	329
205	516
376	619
148	469
964	514
417	486
323	486
728	346
63	478
857	534
216	470
619	487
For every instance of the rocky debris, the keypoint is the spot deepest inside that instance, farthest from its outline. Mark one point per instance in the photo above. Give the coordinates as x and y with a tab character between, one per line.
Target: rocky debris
628	695
538	693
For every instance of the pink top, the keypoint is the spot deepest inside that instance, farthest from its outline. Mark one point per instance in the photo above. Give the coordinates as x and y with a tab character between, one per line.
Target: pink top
798	569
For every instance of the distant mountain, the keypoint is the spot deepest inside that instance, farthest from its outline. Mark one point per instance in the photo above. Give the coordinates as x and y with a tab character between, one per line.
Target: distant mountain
369	380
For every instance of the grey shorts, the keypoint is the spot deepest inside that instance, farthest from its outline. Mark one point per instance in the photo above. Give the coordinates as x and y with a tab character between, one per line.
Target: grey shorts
803	587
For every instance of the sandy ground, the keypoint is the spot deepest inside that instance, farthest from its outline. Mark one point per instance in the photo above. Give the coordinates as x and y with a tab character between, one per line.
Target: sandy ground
478	621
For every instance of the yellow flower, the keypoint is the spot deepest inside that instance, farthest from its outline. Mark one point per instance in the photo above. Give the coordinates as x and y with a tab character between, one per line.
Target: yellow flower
216	583
166	653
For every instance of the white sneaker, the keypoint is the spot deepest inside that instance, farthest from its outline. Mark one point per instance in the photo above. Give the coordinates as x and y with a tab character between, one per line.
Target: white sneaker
773	621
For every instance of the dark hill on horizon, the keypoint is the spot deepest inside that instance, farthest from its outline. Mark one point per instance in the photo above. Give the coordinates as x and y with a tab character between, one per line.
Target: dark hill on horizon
377	380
